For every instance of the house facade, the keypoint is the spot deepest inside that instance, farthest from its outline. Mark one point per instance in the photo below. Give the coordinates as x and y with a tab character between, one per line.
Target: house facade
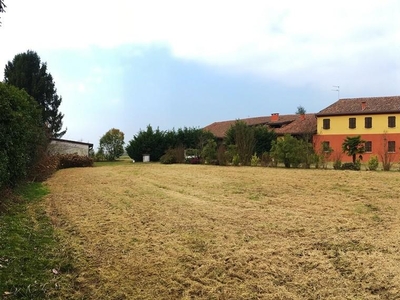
375	119
61	146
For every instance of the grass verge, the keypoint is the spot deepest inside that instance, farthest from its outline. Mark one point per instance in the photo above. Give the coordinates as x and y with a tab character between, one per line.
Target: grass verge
32	265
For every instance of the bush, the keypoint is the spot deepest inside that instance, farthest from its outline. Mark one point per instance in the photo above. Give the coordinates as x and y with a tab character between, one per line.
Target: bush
168	158
255	160
236	160
266	159
21	134
173	156
44	168
373	163
351	166
74	161
337	164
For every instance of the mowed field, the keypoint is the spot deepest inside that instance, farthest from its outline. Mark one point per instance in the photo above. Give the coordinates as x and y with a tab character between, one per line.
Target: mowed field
151	231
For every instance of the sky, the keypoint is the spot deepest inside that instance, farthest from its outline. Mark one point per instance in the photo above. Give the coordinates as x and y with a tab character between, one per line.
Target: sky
171	64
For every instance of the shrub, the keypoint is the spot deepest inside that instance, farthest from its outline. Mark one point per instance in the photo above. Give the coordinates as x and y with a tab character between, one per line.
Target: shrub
236	160
337	160
373	163
255	160
351	166
209	152
221	157
168	158
74	161
266	159
44	168
21	134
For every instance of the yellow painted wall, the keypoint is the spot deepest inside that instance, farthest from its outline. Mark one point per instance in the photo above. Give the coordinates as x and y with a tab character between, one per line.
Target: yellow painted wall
340	125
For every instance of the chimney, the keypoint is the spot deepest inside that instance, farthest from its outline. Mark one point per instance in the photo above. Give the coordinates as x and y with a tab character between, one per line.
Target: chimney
274	117
302	117
363	105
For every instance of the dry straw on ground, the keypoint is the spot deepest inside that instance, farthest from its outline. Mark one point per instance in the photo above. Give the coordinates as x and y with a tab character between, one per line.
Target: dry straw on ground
150	231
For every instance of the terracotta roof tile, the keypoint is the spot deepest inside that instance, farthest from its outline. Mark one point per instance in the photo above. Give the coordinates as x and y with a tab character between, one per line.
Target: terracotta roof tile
371	105
291	124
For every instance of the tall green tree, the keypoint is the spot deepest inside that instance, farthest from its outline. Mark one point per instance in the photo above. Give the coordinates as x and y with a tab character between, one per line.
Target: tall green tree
112	144
241	135
264	139
353	146
26	71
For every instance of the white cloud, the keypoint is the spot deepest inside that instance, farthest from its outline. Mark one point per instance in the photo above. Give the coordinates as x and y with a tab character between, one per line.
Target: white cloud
285	40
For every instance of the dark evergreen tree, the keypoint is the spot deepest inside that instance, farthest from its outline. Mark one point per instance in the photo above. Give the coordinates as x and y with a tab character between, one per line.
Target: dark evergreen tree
2	6
27	72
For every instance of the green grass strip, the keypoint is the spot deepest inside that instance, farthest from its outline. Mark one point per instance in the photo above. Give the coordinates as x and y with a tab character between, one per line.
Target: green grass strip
30	265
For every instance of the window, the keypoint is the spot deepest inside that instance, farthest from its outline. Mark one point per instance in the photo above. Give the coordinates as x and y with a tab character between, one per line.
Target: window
368	122
391	146
368	146
392	121
326	123
325	146
352	123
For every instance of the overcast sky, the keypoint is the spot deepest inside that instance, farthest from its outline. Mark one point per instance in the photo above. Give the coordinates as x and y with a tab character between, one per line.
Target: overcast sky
126	64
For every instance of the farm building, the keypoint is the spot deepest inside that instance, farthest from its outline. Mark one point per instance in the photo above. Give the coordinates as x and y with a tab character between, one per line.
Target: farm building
60	146
296	125
375	119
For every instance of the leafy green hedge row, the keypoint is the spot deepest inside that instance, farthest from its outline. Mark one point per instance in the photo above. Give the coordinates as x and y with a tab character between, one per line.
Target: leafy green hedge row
21	134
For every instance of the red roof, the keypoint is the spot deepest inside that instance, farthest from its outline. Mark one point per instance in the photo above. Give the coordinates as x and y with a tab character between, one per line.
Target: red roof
285	124
358	106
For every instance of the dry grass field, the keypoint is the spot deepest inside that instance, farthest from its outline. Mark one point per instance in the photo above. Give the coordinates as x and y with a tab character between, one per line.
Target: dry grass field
151	231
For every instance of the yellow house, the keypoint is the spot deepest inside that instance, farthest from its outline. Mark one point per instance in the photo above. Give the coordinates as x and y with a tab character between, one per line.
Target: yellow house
375	119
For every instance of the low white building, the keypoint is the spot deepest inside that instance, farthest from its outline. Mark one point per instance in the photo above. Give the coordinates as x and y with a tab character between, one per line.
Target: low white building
60	146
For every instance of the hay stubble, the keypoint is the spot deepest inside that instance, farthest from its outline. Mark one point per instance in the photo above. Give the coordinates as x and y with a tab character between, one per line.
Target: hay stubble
150	231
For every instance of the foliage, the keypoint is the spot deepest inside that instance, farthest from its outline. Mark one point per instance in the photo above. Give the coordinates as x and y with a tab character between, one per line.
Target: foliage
255	160
264	139
2	6
300	110
292	152
21	134
26	71
221	157
111	144
241	135
209	152
46	166
147	142
351	166
353	146
172	156
230	153
157	142
386	157
324	154
337	160
373	163
74	161
236	160
266	159
168	158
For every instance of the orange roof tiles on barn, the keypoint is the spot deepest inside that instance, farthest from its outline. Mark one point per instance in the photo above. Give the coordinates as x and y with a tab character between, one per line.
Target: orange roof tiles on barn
281	124
358	106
